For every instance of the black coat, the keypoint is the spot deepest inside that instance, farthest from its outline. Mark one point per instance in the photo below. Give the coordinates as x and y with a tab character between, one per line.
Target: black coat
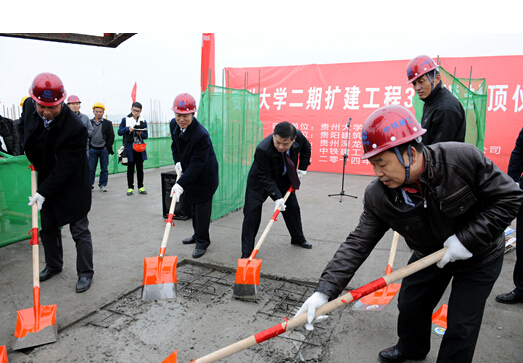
443	117
194	150
515	165
108	134
10	135
59	157
266	174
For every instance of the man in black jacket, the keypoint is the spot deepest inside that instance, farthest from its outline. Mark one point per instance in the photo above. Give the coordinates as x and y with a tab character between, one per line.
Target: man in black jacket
443	114
270	177
197	167
515	169
9	138
444	195
54	142
100	145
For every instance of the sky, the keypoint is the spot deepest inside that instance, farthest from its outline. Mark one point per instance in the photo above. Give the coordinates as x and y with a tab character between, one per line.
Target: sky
163	58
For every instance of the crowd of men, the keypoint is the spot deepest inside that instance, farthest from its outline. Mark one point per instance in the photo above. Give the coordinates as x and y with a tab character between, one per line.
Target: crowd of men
434	189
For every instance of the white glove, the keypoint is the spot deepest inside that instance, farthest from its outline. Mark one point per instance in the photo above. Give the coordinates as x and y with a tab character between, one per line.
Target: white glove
38	199
178	190
302	173
310	305
455	251
178	168
278	203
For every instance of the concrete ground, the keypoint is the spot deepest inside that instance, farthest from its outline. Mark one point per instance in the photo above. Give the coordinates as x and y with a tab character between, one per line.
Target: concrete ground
127	229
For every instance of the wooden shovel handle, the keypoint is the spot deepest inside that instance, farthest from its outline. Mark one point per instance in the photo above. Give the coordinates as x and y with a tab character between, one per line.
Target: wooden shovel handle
393	248
324	309
271	222
34	210
168	223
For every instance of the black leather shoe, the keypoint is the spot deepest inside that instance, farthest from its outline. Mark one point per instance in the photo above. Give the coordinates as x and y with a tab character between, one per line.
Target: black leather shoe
303	244
47	273
83	284
189	241
393	355
198	252
245	255
510	298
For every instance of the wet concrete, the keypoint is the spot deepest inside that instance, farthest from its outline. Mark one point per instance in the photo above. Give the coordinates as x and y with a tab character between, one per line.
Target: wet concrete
110	322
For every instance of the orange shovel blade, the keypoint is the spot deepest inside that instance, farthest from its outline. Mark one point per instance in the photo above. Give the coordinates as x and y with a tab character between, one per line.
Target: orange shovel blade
382	296
171	358
440	317
247	280
3	354
159	278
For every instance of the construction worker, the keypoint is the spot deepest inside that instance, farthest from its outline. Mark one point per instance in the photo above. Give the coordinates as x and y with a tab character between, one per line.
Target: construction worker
74	104
54	142
443	195
195	162
100	146
443	114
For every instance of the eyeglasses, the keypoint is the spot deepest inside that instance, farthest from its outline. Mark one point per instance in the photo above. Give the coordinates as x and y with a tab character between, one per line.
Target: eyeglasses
134	110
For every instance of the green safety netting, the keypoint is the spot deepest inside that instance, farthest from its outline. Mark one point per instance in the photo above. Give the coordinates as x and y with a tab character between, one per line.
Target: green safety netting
232	117
472	94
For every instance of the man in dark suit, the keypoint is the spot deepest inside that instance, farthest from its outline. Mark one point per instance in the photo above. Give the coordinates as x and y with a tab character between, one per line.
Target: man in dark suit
195	161
515	169
54	140
270	177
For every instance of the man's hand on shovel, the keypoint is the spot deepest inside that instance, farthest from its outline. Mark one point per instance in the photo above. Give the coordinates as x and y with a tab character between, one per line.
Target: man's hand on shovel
39	199
279	203
177	188
310	305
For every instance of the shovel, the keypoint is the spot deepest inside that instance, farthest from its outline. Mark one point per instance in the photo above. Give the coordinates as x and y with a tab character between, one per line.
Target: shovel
247	282
322	310
159	273
378	300
36	325
3	354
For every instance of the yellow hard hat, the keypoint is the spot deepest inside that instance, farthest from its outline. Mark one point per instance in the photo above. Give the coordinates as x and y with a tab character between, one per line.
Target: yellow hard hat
99	104
23	100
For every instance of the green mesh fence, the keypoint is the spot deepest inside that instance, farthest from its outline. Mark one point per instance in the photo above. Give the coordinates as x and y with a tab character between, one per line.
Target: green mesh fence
473	98
15	188
232	118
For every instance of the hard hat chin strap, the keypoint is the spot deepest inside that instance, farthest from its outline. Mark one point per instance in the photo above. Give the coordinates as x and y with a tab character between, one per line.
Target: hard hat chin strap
400	158
431	80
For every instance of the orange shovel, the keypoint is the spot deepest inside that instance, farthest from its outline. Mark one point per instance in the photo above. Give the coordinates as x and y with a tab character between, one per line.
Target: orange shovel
378	300
247	283
3	354
159	273
322	310
36	325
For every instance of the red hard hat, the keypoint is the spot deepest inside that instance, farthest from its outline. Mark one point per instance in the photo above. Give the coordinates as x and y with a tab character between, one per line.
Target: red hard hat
387	127
139	147
73	99
47	90
184	103
419	66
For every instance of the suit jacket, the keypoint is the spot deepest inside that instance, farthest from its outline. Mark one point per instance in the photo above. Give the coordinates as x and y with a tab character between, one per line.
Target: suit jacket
59	157
194	150
266	174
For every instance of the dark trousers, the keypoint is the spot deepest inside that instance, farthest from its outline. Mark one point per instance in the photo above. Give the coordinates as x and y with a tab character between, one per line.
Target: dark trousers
103	155
419	295
138	161
252	214
518	268
51	236
201	219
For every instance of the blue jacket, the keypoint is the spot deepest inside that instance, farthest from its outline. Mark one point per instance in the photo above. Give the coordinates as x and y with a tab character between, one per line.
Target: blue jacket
194	150
128	138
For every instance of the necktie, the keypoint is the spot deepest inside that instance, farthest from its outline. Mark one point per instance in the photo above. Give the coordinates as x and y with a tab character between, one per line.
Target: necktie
291	171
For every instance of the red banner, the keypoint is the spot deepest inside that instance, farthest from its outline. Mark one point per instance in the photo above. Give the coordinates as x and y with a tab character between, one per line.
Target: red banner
321	99
207	60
